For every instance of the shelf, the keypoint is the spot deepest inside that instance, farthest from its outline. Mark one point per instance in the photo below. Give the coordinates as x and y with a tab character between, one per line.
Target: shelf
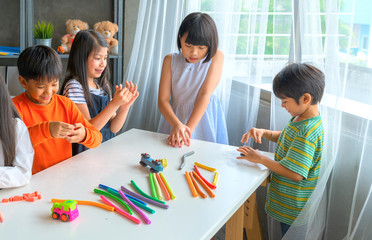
31	11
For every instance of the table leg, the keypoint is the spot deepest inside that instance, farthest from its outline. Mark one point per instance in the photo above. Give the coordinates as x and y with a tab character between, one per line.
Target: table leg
251	220
234	226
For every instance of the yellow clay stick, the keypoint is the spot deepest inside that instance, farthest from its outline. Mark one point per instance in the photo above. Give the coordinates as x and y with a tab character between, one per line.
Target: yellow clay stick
157	187
167	185
215	178
205	167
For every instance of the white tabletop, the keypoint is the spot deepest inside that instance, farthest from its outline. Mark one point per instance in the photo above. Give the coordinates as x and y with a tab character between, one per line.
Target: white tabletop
115	163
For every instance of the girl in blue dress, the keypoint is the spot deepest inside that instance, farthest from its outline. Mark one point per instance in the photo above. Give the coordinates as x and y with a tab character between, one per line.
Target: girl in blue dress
186	97
87	84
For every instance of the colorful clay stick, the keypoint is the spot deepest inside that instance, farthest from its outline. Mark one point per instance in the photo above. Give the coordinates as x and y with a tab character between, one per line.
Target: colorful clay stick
148	200
184	159
191	185
157	187
210	185
152	184
200	192
211	194
144	194
167	185
82	202
125	214
205	167
115	198
215	178
145	218
133	199
163	187
144	207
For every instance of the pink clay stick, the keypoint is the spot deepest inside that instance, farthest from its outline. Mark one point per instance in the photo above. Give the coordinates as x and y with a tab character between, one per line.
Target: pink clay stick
130	217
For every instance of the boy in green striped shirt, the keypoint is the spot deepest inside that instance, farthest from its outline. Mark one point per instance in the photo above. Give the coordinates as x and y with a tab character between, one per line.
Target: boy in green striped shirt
295	168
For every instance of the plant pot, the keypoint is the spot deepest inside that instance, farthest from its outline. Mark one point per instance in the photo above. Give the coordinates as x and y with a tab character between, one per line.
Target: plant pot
46	42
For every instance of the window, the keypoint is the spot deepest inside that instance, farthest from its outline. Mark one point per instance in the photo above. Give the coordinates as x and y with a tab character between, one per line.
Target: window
272	33
264	34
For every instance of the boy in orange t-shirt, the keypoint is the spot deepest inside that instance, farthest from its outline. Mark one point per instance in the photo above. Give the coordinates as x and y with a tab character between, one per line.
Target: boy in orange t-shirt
53	121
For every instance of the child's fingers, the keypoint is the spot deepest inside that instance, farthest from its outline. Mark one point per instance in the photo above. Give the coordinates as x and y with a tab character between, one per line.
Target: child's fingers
257	137
135	87
243	140
131	86
245	137
1	217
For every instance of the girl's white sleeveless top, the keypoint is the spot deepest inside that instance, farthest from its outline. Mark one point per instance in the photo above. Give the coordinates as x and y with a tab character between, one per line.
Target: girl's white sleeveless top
187	79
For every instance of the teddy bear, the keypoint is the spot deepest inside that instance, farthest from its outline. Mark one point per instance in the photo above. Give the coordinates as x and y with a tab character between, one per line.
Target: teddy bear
108	30
73	26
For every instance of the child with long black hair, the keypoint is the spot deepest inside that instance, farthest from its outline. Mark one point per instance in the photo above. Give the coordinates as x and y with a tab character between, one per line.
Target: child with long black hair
16	150
87	84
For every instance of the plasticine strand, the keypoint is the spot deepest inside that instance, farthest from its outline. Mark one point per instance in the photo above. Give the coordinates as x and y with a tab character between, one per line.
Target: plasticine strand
191	185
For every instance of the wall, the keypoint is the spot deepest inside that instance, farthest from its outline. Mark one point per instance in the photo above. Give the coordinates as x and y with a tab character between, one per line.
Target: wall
57	13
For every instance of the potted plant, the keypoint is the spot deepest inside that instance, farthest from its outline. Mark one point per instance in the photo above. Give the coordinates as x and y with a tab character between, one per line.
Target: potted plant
43	33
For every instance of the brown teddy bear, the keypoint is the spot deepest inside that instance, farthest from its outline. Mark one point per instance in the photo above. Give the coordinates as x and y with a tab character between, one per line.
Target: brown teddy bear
73	26
108	30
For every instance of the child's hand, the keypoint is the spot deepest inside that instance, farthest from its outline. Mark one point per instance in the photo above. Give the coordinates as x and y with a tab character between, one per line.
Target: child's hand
249	154
133	89
180	135
78	134
60	129
254	133
122	95
1	217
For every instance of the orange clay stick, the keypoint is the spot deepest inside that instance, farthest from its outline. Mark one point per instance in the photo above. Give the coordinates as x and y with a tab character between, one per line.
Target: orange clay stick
211	194
191	185
80	202
201	194
163	187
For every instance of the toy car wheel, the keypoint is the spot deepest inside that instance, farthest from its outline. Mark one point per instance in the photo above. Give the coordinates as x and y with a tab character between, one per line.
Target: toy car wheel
64	217
55	215
153	170
142	163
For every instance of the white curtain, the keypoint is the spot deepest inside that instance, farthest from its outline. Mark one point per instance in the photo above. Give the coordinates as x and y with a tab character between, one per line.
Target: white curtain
155	37
341	205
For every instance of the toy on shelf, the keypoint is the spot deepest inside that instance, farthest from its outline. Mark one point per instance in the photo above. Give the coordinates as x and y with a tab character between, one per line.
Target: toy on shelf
73	26
108	30
155	165
66	211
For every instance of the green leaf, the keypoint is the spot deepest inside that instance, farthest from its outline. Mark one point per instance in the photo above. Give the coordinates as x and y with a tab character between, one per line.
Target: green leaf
43	30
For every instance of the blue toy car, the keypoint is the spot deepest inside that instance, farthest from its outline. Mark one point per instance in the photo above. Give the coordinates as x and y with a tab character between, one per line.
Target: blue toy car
155	165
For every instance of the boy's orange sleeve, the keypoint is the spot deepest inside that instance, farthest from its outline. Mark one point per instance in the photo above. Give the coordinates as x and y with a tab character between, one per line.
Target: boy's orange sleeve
39	133
94	137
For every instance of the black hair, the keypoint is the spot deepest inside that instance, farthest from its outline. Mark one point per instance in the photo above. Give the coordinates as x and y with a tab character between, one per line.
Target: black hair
201	30
296	79
38	62
8	113
84	43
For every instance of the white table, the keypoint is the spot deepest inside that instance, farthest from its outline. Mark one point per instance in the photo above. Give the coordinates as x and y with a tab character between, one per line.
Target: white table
114	164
